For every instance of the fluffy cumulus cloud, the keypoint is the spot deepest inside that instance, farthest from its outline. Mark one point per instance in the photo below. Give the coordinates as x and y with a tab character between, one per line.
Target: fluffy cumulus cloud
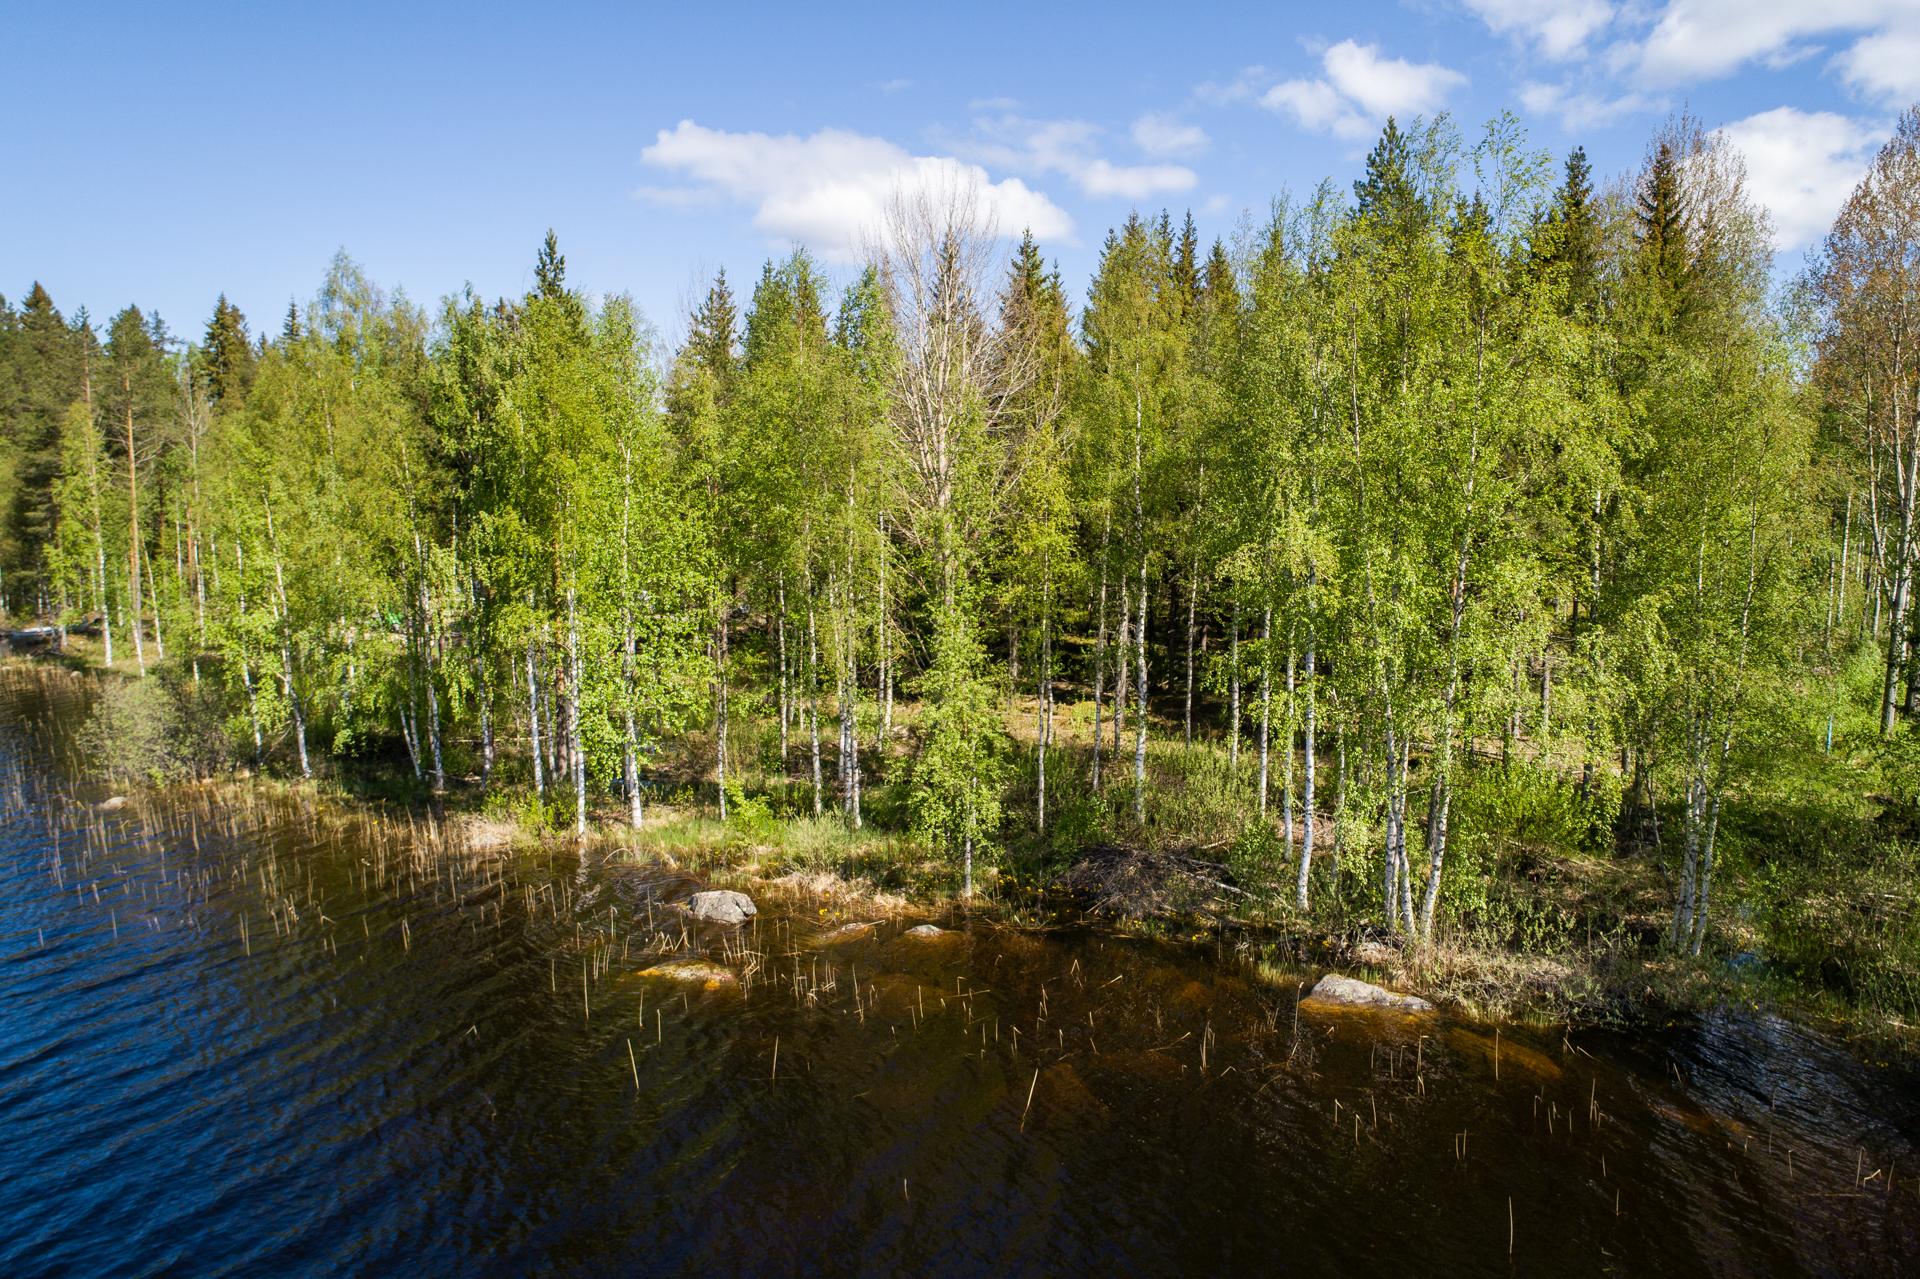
1069	149
1801	165
829	190
1158	134
1582	109
1559	29
1885	66
1360	89
1701	39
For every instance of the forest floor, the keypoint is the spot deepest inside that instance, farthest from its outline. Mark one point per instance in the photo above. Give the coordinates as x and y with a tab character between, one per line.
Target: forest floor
1545	915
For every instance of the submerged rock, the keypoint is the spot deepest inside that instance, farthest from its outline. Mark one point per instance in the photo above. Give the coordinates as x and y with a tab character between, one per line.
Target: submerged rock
1346	992
112	804
722	906
925	932
694	972
1136	883
846	932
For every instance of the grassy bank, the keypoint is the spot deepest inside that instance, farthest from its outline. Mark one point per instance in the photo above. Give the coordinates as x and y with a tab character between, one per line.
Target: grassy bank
1545	911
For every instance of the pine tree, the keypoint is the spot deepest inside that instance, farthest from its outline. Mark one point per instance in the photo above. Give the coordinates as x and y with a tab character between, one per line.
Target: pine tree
1385	192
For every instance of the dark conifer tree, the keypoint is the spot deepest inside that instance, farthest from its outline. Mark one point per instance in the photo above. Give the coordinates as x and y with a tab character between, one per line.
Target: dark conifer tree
1660	221
1186	265
1385	192
550	269
226	358
713	334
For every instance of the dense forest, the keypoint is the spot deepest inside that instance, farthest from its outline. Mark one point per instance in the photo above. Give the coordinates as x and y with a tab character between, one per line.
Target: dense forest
1293	539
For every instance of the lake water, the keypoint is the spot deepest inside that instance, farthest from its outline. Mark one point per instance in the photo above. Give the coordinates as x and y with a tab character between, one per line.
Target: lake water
254	1035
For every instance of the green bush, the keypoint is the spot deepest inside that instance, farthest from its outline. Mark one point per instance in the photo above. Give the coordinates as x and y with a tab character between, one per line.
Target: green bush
158	729
1524	806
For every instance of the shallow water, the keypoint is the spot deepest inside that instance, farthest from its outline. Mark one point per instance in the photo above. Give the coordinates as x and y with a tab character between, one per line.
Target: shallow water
245	1035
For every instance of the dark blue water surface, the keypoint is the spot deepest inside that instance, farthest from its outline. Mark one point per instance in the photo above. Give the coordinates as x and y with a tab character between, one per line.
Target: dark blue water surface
247	1033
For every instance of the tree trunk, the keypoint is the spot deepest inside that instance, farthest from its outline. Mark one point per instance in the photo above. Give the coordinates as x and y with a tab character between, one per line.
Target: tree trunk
1266	697
133	535
483	694
1233	709
160	644
1100	651
1193	608
286	651
577	756
883	638
1044	729
533	723
1306	787
1286	756
786	687
720	705
813	703
1121	691
427	676
1140	684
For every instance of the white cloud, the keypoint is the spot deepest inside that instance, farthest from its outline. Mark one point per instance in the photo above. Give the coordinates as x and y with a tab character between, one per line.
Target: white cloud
1360	89
1244	87
1801	165
894	85
1068	148
1560	29
1885	66
1159	134
1388	86
1317	105
1134	181
1702	39
829	190
1579	109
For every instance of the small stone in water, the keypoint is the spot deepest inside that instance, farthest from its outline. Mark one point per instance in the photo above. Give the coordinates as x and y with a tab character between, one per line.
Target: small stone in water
925	932
698	972
722	906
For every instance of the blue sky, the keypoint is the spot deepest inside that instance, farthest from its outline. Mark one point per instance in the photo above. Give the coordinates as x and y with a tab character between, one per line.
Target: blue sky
164	154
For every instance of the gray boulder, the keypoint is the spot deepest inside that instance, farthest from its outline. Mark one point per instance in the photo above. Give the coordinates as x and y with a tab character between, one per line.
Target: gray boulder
1346	992
722	906
925	932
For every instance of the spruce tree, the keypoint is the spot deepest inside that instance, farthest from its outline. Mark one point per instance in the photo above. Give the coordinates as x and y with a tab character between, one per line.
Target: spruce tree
550	269
713	333
226	356
1660	221
1576	241
40	375
1186	266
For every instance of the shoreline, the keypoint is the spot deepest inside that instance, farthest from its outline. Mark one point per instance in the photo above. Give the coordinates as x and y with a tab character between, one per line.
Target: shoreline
1612	984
